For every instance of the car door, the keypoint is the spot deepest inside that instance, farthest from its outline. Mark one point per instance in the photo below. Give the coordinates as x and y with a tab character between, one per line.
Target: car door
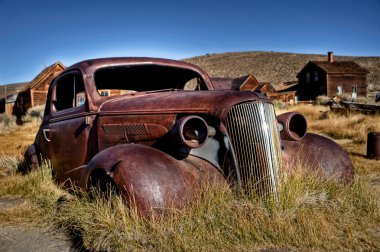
68	129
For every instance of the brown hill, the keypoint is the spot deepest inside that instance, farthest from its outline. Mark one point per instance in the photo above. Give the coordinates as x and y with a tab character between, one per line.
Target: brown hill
275	67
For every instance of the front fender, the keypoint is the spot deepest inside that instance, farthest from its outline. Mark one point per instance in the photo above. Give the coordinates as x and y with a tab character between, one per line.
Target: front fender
150	179
319	153
31	159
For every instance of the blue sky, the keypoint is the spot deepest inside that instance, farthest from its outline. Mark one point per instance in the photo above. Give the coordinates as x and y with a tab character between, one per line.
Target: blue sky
35	34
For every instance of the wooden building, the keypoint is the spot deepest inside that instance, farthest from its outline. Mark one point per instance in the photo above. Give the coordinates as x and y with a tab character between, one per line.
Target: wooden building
8	95
331	78
243	83
35	93
286	92
7	104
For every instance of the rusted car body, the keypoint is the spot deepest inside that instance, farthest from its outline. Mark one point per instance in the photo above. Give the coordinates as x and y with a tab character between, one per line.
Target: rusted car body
158	130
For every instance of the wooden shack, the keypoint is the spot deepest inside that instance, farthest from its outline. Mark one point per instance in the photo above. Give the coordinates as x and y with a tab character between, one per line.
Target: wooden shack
243	83
8	95
35	93
331	78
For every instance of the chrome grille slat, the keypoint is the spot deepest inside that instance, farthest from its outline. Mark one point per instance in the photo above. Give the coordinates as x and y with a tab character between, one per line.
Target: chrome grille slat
252	129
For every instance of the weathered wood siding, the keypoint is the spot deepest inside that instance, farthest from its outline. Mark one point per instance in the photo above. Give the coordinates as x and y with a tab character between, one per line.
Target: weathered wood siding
39	92
39	97
9	108
347	81
249	85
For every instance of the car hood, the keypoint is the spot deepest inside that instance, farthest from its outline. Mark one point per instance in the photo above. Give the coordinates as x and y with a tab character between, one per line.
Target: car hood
215	102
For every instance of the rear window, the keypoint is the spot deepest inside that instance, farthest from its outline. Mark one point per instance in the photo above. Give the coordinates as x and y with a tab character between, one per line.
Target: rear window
128	79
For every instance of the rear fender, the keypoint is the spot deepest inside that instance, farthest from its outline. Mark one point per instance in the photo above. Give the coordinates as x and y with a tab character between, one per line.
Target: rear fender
320	154
150	179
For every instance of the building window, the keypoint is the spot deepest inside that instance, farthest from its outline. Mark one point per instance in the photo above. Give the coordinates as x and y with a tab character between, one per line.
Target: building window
104	92
354	92
316	77
339	90
308	77
81	99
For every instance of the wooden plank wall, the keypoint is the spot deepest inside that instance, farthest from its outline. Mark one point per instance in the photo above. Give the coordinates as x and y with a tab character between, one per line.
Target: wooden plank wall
347	81
39	92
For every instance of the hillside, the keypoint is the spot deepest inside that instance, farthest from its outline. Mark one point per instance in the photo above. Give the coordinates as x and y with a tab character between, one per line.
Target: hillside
275	67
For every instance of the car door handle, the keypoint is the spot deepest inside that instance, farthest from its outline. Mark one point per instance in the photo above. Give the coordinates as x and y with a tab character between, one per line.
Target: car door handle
44	132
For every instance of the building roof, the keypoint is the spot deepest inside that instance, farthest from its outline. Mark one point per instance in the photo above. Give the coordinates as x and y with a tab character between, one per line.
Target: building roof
12	89
45	73
246	82
286	86
266	86
339	67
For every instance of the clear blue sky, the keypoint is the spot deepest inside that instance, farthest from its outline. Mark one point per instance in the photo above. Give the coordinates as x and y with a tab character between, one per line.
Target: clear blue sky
36	33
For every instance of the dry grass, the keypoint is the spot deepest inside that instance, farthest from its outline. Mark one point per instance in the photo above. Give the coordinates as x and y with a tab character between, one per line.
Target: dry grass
15	138
313	213
352	126
39	194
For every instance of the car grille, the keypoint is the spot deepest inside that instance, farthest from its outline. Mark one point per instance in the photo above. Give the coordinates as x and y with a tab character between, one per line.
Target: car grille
252	129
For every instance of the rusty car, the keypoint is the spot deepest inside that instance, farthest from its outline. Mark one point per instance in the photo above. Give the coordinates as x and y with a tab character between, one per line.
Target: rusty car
157	130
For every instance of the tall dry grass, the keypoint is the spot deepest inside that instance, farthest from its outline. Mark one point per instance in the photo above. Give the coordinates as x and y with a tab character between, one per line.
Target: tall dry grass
311	213
38	192
352	126
16	138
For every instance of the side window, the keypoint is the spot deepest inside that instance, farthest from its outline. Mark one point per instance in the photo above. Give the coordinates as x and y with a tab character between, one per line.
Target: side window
316	77
339	90
308	77
69	92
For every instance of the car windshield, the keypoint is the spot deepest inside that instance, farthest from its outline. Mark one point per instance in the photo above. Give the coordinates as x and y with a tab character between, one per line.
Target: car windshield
120	80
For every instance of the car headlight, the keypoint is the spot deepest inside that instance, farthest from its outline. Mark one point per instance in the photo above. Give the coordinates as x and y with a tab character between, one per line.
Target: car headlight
191	131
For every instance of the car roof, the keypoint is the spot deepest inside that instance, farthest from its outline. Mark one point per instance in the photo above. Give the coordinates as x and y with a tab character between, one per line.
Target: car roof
116	61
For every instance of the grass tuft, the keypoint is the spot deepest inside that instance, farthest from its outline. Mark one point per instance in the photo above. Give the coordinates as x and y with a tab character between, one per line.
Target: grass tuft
312	212
8	164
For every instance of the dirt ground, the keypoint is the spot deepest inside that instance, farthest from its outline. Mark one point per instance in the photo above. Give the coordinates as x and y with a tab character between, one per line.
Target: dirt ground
18	238
26	238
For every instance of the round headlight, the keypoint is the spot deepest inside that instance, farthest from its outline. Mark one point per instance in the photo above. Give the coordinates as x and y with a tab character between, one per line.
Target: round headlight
294	126
191	131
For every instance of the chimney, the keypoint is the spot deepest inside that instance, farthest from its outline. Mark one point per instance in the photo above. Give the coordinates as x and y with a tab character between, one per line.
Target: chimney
330	57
